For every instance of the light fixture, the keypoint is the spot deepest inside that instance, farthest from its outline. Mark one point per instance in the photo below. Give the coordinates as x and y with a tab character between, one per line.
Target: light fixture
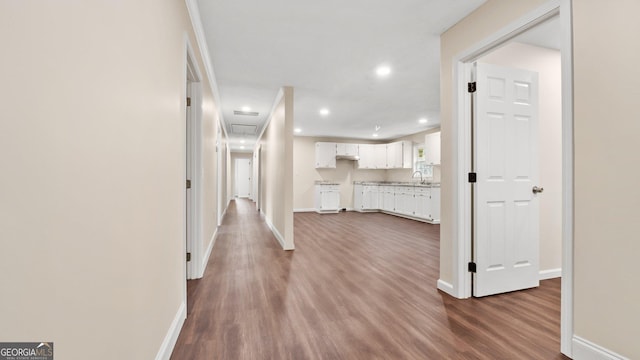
423	121
246	108
377	127
375	135
324	111
242	141
383	70
242	147
297	130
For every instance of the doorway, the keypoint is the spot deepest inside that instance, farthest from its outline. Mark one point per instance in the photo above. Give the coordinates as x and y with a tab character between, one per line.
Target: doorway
243	178
463	157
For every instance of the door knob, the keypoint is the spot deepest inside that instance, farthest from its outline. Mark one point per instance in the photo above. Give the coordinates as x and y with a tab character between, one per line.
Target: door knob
537	190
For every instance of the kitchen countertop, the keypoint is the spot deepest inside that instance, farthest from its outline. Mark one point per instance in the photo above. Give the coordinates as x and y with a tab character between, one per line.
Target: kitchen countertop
326	182
398	183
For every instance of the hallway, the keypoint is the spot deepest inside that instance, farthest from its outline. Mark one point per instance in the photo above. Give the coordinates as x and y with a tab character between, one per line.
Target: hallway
358	286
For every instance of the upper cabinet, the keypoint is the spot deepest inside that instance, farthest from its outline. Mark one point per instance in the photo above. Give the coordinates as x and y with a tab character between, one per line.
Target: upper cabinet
380	156
350	150
367	156
399	155
326	155
432	148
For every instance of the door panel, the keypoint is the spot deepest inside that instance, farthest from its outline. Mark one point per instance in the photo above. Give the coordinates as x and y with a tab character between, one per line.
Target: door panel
506	210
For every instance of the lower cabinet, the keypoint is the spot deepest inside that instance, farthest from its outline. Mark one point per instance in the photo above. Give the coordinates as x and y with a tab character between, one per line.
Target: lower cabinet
417	202
327	198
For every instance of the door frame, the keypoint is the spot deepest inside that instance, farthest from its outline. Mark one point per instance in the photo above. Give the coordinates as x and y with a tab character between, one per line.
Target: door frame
461	157
193	87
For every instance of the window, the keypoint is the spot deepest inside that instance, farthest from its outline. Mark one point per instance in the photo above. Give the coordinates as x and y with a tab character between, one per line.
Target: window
419	162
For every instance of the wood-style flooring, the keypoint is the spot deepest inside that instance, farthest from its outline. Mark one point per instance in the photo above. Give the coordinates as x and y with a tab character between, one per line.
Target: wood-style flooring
358	286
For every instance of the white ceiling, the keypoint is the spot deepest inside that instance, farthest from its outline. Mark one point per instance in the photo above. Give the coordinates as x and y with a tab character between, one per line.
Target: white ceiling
328	51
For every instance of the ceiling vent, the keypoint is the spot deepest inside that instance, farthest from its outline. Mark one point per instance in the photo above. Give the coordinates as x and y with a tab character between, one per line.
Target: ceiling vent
243	129
245	113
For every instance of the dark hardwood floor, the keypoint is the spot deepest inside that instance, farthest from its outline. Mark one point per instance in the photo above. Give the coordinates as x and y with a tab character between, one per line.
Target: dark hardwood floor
358	286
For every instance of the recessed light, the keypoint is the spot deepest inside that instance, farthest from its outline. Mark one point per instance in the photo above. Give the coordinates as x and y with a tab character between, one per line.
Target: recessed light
324	111
297	130
423	121
383	70
242	141
242	147
375	135
246	108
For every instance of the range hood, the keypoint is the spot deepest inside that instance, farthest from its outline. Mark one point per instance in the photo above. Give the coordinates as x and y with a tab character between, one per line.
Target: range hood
348	157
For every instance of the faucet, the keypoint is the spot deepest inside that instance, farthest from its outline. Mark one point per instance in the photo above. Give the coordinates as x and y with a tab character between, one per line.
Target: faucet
419	172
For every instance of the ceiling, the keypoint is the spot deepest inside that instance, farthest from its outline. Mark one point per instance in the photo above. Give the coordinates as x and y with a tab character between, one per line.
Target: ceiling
328	51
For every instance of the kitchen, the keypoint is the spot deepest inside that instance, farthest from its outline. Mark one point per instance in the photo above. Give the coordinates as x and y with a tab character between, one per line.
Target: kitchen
398	177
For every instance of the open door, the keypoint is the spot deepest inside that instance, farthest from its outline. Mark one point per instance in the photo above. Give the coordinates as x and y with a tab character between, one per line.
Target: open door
506	218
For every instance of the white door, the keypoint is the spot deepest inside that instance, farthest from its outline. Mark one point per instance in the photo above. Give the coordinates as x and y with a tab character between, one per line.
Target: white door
243	178
506	207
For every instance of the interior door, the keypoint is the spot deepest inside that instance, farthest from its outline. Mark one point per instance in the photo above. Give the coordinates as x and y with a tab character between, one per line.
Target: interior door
506	155
243	177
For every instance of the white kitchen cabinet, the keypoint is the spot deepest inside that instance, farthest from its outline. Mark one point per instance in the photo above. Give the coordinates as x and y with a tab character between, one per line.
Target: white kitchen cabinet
422	202
370	197
388	198
405	200
432	148
367	156
357	197
400	155
434	205
343	149
325	155
327	198
380	156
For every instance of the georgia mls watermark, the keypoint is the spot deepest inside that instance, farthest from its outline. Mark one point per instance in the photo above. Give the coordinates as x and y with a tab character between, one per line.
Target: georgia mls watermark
26	351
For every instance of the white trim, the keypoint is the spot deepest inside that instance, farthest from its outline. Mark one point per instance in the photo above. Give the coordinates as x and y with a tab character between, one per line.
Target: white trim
304	210
198	29
207	254
461	196
169	342
586	350
446	287
273	109
276	233
550	274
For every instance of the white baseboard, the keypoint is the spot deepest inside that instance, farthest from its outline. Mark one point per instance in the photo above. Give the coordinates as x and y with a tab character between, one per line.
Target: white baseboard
304	210
446	287
169	342
550	274
276	233
207	254
586	350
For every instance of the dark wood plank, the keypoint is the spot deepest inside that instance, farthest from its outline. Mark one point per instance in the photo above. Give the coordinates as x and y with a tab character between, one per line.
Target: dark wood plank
358	286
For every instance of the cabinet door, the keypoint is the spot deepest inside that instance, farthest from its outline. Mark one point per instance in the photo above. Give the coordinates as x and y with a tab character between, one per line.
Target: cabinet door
357	197
370	198
394	155
325	155
389	203
434	208
344	149
423	202
432	148
330	200
366	156
380	156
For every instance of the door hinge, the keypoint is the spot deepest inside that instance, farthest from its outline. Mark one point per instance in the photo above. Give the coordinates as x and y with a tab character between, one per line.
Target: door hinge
188	101
471	87
472	177
188	256
188	184
472	267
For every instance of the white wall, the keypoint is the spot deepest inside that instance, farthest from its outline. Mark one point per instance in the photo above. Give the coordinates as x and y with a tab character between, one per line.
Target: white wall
276	169
546	62
607	195
92	147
